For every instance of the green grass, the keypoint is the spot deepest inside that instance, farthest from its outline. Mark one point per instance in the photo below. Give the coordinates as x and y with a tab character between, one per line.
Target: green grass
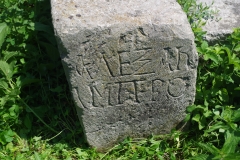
38	118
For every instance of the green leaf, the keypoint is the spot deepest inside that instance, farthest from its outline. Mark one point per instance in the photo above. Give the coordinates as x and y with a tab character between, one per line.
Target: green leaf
191	108
11	41
236	116
187	118
216	112
3	84
232	156
227	114
7	69
42	27
20	156
223	95
231	57
35	138
218	50
237	89
3	32
201	157
228	78
209	148
231	142
212	56
28	121
21	81
218	125
237	48
14	92
3	100
22	30
31	15
200	120
196	118
8	55
207	113
6	136
82	154
204	45
58	89
14	110
37	156
22	60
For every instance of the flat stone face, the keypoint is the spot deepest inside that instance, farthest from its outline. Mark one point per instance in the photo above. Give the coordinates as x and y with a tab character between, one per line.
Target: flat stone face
226	19
131	65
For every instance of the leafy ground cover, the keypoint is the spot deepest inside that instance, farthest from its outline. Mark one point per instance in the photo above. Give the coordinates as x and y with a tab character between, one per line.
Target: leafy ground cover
38	118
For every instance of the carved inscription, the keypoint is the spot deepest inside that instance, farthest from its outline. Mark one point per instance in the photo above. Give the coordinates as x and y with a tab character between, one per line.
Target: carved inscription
176	87
127	92
131	70
144	91
137	91
157	89
175	59
136	62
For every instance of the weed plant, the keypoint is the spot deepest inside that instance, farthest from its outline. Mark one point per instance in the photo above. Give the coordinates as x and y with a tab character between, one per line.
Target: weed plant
34	95
38	119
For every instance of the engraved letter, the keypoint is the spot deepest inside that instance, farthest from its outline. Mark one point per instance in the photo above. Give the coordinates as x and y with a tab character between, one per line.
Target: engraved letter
158	89
113	94
144	91
127	92
176	87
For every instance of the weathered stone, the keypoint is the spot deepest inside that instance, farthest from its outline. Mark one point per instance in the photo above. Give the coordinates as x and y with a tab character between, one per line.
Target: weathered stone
226	19
131	65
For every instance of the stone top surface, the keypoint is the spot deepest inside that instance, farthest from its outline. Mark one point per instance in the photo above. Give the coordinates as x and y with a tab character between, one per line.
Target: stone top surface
72	15
226	19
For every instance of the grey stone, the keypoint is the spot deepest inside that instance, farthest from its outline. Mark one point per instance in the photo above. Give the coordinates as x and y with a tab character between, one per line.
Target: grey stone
131	65
226	19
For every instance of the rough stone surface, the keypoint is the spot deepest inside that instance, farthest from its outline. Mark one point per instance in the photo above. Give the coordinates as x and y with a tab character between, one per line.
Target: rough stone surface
131	65
227	18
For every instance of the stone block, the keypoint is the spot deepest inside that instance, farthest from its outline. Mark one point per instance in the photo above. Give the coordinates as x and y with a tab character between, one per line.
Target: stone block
227	18
131	65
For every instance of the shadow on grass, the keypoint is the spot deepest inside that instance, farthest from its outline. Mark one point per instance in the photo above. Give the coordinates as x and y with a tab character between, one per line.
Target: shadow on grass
50	97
